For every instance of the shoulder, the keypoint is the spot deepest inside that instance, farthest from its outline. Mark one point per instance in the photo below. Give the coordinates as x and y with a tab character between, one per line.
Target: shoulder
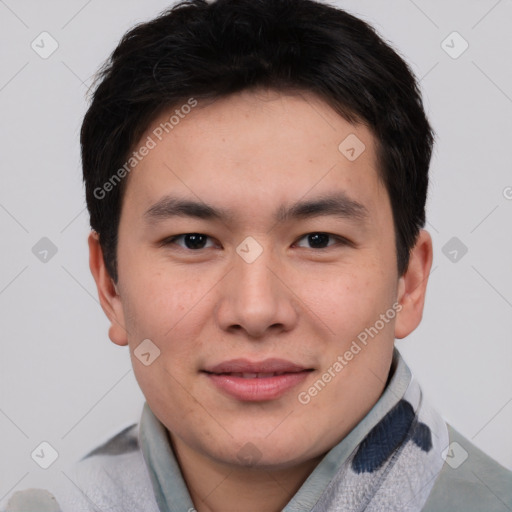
111	477
470	480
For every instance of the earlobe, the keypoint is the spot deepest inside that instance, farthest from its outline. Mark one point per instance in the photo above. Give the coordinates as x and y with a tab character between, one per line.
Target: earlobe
108	292
412	286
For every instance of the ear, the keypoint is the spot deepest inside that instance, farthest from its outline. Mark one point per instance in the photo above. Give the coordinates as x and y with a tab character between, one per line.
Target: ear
108	294
412	286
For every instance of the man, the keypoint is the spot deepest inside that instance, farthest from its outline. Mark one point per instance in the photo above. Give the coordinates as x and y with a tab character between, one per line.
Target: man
256	174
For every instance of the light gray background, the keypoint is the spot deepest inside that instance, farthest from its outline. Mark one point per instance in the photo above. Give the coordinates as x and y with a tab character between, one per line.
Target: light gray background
63	381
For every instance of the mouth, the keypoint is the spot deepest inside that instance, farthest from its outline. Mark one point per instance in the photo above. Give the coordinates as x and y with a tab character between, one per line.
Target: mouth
249	375
256	381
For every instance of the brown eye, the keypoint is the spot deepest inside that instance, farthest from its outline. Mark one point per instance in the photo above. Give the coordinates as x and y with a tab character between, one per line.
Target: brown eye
321	240
191	241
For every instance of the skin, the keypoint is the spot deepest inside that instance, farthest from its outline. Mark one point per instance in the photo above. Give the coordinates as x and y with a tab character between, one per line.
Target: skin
251	153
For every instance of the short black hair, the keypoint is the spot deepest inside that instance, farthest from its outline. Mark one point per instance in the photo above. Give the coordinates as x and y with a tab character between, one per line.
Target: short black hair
198	49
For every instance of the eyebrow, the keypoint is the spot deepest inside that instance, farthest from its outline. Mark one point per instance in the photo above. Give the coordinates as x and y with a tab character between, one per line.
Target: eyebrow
336	205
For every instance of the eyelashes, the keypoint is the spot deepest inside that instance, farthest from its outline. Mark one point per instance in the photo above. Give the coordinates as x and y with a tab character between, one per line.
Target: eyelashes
195	242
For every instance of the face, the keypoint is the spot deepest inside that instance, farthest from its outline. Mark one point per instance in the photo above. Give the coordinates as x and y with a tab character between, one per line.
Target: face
257	255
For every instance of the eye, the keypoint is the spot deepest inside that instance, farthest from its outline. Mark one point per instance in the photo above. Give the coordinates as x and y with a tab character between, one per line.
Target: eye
198	241
321	240
192	241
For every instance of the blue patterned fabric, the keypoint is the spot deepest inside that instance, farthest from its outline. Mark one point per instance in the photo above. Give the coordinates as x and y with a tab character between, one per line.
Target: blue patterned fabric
388	435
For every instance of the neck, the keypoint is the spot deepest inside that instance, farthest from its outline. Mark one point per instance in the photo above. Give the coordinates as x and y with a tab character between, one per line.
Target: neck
217	487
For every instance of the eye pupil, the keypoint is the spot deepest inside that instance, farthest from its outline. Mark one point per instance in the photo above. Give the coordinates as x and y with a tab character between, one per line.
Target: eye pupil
316	239
195	240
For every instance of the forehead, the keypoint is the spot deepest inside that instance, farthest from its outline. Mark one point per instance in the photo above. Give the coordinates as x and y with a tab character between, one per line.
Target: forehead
263	146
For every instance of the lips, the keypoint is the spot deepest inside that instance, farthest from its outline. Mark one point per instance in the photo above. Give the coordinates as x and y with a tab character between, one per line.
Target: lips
248	375
256	381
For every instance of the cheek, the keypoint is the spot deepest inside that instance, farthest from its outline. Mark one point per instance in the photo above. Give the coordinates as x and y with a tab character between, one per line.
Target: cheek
349	301
174	313
157	301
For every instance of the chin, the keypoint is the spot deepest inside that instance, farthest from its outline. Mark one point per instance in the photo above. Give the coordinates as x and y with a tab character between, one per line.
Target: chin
267	454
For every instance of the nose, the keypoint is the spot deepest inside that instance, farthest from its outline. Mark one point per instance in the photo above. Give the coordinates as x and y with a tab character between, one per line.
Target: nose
255	298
